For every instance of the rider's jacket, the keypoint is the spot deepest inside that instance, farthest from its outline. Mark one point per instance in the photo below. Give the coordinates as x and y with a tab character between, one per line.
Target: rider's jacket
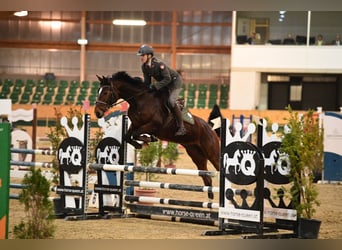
163	75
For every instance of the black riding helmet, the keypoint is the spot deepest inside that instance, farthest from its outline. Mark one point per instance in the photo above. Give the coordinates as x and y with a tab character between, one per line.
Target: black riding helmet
145	49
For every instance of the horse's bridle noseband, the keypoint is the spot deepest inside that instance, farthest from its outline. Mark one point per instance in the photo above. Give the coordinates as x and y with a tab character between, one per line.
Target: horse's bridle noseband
108	106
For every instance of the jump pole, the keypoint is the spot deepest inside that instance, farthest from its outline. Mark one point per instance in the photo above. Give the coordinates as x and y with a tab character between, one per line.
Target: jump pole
5	139
171	171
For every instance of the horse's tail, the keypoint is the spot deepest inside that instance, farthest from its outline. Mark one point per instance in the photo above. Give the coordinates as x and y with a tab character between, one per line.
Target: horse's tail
215	119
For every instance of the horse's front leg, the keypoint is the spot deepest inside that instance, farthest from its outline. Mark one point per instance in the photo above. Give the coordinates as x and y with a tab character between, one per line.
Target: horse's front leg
140	134
144	133
129	138
146	138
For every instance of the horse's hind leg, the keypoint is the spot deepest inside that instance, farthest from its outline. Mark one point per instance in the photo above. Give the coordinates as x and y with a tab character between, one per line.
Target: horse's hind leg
200	160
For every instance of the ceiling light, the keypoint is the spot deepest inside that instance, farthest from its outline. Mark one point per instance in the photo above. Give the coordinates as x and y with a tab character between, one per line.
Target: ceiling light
129	22
21	13
82	41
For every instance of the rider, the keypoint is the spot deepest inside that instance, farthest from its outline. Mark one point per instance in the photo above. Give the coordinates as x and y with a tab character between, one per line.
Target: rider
164	77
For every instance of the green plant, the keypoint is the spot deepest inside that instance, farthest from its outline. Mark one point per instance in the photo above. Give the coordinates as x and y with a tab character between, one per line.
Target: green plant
38	207
170	153
303	144
148	156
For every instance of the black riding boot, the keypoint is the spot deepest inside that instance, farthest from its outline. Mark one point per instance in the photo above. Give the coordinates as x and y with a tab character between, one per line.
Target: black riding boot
179	121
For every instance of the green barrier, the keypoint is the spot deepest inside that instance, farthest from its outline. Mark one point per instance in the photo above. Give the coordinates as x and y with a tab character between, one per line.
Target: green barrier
5	157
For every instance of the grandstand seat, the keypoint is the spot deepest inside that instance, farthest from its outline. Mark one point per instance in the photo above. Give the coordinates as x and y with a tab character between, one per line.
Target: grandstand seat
8	82
201	102
94	91
50	90
19	82
203	87
212	102
224	88
30	83
85	84
213	87
74	84
16	90
57	102
41	83
202	94
6	89
14	97
3	95
52	84
60	96
61	91
39	90
92	99
28	89
84	91
190	103
59	99
192	87
47	98
63	83
36	98
25	98
72	90
70	99
223	103
80	99
95	84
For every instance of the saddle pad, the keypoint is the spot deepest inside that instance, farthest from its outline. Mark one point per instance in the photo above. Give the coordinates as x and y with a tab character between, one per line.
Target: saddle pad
187	116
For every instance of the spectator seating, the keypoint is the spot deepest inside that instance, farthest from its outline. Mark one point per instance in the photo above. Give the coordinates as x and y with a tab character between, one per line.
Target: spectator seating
65	92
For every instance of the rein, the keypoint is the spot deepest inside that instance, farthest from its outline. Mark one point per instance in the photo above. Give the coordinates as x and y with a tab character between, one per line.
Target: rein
117	103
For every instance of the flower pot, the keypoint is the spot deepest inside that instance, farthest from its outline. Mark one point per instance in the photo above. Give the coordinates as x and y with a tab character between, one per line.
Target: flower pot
308	228
149	192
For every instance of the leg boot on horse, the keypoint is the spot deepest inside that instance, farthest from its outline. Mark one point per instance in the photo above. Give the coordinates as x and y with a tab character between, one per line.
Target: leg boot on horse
179	120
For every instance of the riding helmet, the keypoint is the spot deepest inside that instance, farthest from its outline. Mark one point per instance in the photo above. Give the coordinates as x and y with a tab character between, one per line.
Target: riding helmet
145	49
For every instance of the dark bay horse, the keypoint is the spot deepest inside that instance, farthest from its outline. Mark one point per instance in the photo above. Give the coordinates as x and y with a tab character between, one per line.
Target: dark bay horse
149	115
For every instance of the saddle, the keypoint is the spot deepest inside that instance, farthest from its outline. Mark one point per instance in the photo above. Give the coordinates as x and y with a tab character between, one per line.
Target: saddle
186	115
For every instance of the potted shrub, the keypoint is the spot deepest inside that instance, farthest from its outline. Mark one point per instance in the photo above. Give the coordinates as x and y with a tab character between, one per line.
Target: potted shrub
148	156
170	154
303	143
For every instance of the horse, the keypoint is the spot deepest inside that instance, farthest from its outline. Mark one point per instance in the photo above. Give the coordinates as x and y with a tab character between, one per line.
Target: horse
149	115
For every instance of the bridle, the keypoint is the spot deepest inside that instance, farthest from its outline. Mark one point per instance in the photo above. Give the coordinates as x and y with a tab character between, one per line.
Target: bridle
108	106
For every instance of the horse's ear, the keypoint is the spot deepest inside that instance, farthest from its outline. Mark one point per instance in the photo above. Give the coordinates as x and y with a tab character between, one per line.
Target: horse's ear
100	79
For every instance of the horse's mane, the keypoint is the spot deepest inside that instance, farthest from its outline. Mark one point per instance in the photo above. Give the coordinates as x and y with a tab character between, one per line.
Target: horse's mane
125	77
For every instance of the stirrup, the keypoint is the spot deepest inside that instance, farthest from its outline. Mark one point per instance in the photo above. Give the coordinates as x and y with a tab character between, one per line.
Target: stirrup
180	131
